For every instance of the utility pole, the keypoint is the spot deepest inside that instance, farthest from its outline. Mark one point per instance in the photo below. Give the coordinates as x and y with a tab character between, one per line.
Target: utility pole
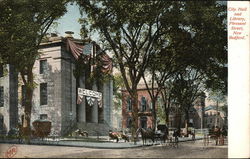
216	119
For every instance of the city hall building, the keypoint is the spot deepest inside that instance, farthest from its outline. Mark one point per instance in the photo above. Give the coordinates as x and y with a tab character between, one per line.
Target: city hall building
55	98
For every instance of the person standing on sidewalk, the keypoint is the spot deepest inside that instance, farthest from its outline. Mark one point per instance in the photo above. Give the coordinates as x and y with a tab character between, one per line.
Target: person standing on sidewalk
217	134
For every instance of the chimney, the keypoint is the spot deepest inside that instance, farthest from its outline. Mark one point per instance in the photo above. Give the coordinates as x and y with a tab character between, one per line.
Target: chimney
68	34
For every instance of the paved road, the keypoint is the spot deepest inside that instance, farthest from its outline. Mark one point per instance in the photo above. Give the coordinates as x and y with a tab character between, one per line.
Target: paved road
185	150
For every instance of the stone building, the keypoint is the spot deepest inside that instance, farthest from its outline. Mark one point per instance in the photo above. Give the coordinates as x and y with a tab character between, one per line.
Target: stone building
55	96
8	100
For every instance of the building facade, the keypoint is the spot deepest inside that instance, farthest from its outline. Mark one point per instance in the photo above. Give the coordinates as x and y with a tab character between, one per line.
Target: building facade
145	120
214	117
55	96
145	109
8	100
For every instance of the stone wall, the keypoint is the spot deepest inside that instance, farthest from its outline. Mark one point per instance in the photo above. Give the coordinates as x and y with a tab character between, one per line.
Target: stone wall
53	79
68	87
9	110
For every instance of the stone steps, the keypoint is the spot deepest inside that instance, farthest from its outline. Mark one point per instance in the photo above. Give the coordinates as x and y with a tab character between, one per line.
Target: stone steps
94	129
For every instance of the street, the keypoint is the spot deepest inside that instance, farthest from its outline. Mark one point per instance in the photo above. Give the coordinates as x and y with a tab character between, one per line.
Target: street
188	149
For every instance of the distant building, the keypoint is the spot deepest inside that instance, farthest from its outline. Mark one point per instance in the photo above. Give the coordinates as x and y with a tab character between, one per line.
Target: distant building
55	96
145	120
145	109
214	117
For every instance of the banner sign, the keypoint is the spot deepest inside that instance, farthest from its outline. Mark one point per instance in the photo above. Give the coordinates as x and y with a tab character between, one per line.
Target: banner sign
91	96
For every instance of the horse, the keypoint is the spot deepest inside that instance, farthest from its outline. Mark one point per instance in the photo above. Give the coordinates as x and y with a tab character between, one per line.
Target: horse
124	137
113	135
117	135
146	134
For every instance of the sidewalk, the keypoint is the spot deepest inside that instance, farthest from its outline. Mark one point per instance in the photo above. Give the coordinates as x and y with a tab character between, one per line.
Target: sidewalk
100	145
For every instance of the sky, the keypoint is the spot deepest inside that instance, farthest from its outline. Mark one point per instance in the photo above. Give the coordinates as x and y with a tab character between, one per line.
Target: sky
69	22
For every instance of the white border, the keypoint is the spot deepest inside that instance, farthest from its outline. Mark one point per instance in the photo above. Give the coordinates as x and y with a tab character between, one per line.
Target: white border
238	89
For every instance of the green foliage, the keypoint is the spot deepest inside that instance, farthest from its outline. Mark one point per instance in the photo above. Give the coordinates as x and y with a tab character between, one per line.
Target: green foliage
165	39
118	84
22	27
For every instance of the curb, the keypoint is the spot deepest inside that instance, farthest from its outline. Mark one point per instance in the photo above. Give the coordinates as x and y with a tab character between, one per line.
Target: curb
90	146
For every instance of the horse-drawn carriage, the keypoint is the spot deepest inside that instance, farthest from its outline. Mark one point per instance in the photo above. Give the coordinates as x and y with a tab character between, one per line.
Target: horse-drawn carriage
160	135
42	128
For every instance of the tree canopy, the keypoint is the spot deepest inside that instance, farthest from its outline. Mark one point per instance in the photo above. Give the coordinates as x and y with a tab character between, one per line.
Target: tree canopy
164	38
23	25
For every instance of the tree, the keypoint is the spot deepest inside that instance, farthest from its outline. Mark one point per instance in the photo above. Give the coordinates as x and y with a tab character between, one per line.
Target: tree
23	25
138	32
163	65
194	46
129	31
189	43
118	85
187	87
206	20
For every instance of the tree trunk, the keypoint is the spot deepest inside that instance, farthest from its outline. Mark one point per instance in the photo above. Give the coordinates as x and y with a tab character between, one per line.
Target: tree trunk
186	122
28	104
134	102
167	109
154	113
179	116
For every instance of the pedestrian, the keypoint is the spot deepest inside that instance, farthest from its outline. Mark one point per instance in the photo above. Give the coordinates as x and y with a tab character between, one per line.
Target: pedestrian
206	139
175	135
217	134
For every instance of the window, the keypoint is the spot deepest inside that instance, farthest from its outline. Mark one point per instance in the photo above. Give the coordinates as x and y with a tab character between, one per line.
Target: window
143	104
151	106
129	122
23	95
143	121
1	70
43	94
43	116
1	122
43	66
129	105
1	96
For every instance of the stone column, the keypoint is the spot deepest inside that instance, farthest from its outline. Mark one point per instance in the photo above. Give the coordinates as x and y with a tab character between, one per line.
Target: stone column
107	100
82	106
94	109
